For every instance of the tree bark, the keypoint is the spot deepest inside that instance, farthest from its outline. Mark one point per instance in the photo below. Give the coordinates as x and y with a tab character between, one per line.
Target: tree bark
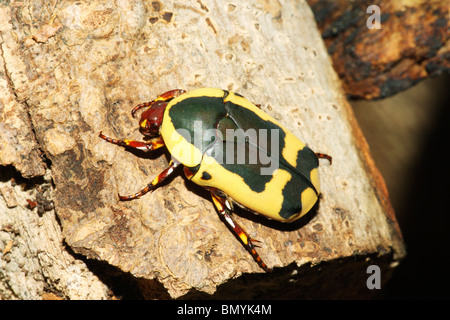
411	43
73	69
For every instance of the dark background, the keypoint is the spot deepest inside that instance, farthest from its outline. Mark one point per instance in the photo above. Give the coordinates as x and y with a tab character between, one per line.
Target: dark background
409	139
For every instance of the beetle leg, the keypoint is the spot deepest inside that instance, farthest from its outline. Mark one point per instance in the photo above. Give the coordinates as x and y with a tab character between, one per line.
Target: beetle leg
152	144
166	96
154	184
324	156
223	207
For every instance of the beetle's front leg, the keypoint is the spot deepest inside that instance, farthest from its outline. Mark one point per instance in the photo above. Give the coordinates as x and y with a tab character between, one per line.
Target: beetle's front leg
224	208
152	144
166	96
154	184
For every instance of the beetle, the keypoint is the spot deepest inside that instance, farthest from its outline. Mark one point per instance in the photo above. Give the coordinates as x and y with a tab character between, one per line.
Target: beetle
231	147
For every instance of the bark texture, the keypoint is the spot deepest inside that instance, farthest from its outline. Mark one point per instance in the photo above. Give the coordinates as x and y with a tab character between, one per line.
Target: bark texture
411	44
72	69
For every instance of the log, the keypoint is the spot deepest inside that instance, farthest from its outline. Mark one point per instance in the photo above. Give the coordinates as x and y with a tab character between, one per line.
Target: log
412	43
73	69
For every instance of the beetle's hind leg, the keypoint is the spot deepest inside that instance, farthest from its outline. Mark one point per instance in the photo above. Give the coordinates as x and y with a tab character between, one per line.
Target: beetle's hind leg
154	184
224	208
324	156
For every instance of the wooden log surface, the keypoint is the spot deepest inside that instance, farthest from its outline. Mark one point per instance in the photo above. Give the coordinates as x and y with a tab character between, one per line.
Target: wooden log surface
412	43
72	69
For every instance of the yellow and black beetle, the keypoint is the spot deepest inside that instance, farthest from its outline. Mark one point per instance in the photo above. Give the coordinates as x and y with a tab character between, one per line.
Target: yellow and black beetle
235	150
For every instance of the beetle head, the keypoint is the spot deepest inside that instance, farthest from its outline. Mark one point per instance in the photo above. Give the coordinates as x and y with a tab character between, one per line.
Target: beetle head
151	119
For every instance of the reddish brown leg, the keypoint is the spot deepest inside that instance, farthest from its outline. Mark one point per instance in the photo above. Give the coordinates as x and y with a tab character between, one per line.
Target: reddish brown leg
224	208
324	156
152	144
154	184
166	96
